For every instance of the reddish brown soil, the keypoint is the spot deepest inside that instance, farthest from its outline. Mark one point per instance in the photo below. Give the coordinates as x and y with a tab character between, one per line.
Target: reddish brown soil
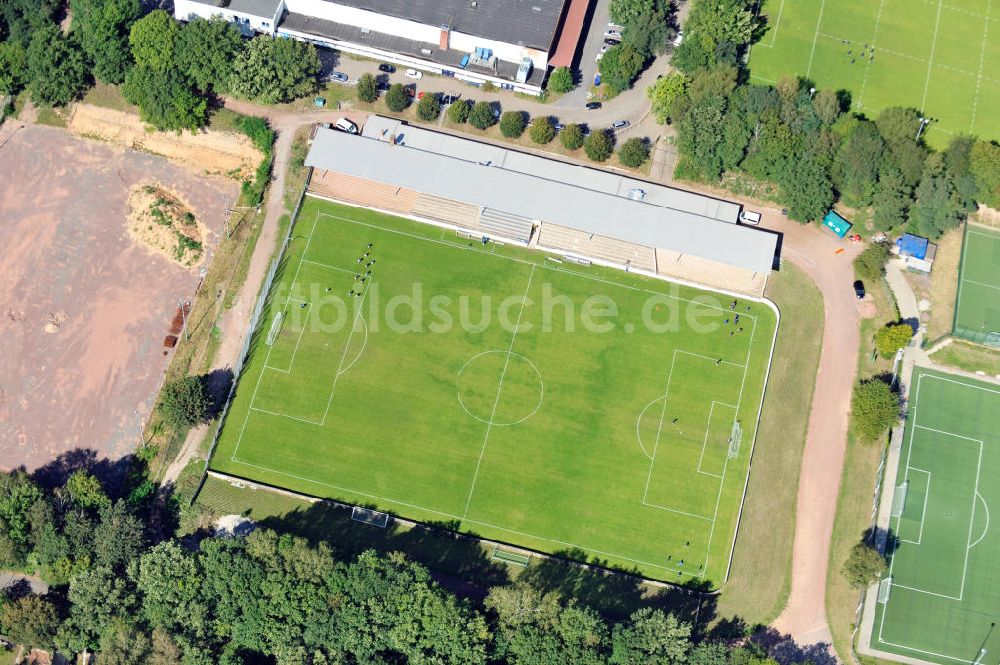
66	258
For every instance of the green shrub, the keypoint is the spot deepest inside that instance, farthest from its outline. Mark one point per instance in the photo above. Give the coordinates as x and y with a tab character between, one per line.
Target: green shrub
893	337
875	407
870	263
512	124
633	153
184	402
429	108
481	115
458	112
258	131
599	145
396	98
561	80
541	130
864	566
367	89
571	137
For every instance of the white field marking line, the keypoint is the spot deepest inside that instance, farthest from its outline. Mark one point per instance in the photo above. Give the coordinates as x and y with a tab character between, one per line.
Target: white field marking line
263	369
470	521
972	518
298	340
663	413
638	421
987	527
819	20
329	267
677	512
284	415
924	591
957	436
930	60
990	286
962	265
541	265
923	513
699	355
708	428
777	23
868	67
953	8
982	56
725	465
761	78
496	400
364	346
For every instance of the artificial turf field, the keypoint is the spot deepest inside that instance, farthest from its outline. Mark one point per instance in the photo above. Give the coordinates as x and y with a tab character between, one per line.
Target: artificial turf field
944	596
512	423
977	305
937	57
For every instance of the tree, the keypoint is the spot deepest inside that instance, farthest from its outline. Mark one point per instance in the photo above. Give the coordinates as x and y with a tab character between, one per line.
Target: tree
206	50
864	565
874	408
633	153
119	537
104	27
97	597
22	18
18	493
650	637
985	166
169	581
153	39
166	99
271	71
184	402
396	98
512	124
870	263
458	112
31	620
857	164
56	68
620	66
599	145
827	106
806	189
481	115
13	67
123	645
891	200
936	207
892	337
429	107
664	94
367	88
714	28
623	11
541	130
561	80
86	490
571	136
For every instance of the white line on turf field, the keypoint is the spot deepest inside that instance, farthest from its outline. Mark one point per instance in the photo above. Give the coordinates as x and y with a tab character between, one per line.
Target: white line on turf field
708	429
329	267
364	346
496	400
930	59
777	24
663	413
982	58
819	20
986	528
989	286
923	513
699	355
868	67
895	585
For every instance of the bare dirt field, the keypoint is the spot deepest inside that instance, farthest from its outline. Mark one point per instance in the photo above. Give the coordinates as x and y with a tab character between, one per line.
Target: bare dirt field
85	308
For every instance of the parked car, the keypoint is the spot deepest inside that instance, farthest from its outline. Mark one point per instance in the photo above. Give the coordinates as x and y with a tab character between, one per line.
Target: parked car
338	76
593	106
387	68
346	125
615	26
496	112
613	34
448	99
750	217
619	125
859	289
610	41
414	74
559	126
585	130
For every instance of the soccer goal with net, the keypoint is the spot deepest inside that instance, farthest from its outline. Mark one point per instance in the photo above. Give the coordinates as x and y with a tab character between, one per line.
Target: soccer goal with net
899	499
734	440
884	587
272	334
371	517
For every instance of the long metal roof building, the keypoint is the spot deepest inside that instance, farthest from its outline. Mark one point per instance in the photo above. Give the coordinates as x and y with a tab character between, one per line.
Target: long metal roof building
566	203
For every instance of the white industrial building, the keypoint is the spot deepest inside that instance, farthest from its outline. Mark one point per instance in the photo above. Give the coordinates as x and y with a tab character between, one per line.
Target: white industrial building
504	42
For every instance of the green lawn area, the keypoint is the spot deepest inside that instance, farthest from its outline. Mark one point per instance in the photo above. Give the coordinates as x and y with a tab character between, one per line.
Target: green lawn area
977	308
943	597
970	357
925	55
569	409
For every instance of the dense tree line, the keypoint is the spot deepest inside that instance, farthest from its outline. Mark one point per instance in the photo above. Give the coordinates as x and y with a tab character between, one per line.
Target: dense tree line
169	70
805	142
646	33
132	596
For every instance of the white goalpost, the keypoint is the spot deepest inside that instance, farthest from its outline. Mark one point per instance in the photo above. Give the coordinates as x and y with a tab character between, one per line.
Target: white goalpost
275	328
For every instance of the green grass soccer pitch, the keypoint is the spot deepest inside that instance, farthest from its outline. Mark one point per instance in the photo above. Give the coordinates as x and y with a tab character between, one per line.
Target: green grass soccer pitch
612	445
932	56
944	596
977	305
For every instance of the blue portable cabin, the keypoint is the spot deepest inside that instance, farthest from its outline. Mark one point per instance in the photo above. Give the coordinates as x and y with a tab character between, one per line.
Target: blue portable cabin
911	245
836	223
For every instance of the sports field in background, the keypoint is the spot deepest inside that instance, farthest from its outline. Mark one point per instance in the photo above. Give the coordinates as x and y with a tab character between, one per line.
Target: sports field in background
627	446
937	57
977	304
944	596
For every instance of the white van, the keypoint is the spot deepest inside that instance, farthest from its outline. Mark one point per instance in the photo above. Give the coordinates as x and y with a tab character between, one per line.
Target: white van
346	125
750	218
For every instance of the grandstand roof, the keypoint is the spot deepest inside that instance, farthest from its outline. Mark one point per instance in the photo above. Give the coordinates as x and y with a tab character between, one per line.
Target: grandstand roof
381	127
534	197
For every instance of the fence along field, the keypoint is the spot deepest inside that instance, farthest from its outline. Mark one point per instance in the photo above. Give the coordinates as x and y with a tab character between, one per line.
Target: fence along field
939	600
977	305
627	447
936	57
